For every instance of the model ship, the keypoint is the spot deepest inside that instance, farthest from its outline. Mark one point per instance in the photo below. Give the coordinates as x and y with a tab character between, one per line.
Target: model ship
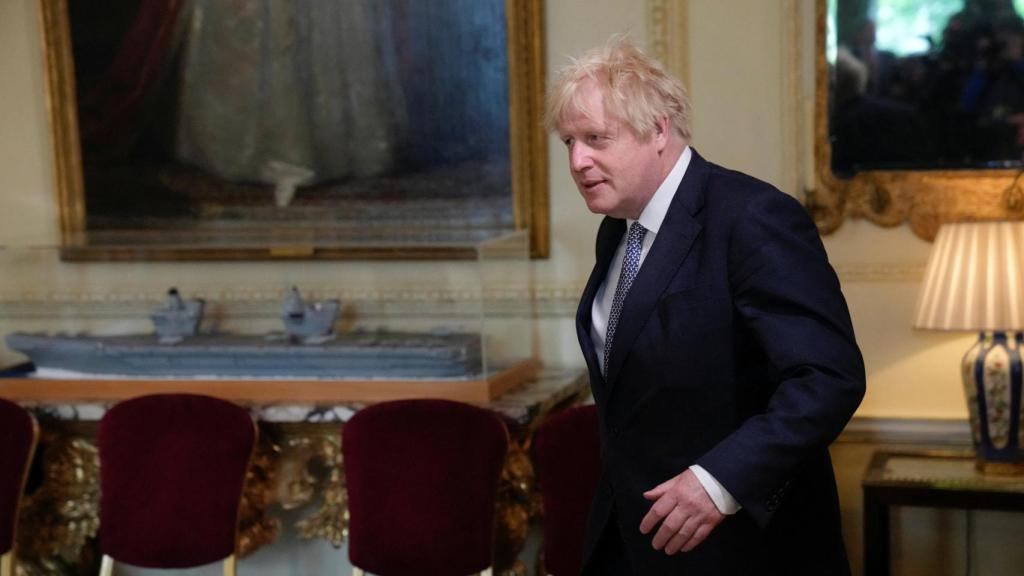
308	347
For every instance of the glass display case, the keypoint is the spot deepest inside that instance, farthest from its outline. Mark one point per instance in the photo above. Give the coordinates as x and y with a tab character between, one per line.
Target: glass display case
463	327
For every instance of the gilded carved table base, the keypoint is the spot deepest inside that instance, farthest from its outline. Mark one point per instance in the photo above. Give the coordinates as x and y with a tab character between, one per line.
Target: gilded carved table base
297	467
60	518
514	509
313	471
255	528
60	512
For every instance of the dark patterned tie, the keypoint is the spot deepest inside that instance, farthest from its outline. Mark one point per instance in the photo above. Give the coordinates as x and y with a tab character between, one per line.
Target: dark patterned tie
630	266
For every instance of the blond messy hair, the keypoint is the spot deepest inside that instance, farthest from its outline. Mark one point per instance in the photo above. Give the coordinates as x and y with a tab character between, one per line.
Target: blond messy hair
637	89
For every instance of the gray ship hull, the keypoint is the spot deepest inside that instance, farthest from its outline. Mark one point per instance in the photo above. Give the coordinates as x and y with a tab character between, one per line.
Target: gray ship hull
383	355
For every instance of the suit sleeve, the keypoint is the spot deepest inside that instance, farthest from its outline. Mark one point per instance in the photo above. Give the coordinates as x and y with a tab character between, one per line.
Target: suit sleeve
787	296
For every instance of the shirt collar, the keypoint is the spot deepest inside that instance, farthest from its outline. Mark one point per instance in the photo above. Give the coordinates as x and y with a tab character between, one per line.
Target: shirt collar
657	207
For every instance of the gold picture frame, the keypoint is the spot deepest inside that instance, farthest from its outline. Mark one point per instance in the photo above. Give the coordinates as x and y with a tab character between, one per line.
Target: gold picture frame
925	199
527	168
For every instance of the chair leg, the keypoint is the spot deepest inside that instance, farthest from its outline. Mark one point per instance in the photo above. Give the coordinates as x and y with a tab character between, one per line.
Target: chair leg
230	565
107	566
7	564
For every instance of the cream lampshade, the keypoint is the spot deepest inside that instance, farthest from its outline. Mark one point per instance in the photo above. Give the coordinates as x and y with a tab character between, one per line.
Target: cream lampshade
974	281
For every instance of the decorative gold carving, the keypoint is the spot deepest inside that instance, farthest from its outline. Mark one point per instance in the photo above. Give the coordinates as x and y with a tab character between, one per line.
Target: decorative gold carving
657	17
322	473
1013	196
924	199
58	518
255	528
294	466
669	34
880	272
513	510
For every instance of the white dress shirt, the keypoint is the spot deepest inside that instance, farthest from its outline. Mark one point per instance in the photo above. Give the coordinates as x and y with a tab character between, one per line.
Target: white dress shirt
651	218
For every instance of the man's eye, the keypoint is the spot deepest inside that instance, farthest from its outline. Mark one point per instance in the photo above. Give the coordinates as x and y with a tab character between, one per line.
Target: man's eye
567	141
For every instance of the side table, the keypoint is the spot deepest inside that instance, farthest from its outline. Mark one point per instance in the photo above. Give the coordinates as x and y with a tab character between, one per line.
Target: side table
934	479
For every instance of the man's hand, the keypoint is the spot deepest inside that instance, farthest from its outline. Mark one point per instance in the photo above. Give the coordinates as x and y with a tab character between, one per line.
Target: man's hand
686	513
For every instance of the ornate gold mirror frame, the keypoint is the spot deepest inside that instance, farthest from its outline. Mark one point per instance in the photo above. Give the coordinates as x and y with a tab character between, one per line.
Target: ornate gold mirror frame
528	151
924	198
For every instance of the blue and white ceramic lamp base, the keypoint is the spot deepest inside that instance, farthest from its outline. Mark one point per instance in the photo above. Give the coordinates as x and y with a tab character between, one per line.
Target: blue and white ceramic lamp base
991	372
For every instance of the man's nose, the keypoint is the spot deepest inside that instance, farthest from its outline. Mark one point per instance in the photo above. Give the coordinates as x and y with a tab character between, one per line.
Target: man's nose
579	158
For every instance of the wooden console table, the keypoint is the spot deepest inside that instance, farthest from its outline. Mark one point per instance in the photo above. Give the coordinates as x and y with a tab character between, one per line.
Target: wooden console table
933	479
19	387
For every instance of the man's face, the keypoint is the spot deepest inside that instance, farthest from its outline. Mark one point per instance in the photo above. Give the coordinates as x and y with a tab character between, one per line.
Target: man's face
615	172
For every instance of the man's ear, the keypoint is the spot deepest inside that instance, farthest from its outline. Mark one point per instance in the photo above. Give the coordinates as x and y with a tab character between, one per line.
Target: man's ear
661	134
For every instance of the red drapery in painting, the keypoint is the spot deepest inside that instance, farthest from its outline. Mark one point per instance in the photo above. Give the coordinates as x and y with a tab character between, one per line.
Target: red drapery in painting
111	111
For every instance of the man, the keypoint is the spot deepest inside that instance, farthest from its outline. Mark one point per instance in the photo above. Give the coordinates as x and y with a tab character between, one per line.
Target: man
721	353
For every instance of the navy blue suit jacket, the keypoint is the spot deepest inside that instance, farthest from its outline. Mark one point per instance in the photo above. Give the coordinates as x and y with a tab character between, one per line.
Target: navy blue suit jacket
734	351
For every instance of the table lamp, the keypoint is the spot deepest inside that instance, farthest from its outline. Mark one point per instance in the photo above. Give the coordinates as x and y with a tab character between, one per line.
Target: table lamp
975	281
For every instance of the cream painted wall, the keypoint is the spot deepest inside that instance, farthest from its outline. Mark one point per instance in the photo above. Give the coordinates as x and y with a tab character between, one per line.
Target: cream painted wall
749	85
737	82
27	205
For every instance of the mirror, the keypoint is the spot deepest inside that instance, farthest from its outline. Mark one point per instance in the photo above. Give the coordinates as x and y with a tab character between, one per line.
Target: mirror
253	129
919	111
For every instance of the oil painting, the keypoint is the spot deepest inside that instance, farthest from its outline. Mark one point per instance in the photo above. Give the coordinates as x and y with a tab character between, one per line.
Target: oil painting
295	128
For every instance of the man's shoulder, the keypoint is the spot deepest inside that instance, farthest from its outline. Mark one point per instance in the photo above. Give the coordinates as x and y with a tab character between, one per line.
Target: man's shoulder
731	187
720	176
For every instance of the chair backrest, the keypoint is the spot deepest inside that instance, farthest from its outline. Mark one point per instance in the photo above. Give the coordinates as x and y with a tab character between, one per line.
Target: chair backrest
172	468
567	461
422	479
18	435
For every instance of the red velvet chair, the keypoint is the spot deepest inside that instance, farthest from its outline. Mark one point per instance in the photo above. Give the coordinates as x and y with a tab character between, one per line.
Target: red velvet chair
567	461
172	468
18	436
422	479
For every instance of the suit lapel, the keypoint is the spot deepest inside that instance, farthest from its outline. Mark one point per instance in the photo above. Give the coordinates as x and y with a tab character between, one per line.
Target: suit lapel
608	237
671	247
